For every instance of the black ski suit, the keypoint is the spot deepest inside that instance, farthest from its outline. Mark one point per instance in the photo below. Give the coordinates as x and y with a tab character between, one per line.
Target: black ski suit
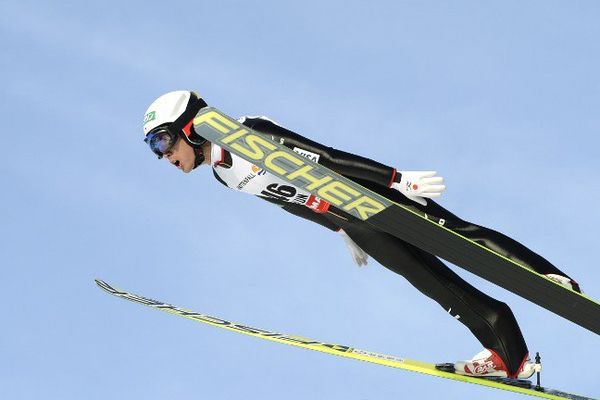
491	321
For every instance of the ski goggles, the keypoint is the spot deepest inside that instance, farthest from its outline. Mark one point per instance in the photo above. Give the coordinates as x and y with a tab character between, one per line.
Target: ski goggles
161	141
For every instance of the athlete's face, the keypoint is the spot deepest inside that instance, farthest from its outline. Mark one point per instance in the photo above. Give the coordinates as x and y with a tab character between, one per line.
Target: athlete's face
182	156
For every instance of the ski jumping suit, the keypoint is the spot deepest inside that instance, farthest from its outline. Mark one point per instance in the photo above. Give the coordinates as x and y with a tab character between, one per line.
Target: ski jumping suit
491	321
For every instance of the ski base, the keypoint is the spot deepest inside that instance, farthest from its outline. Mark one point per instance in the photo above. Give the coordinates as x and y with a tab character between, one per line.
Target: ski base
523	383
334	349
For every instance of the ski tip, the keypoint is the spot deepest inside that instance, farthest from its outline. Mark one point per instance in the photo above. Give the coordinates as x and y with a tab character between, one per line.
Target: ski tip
105	286
101	283
108	288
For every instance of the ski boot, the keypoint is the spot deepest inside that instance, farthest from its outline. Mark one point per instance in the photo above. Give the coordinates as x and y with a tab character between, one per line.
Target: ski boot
487	364
564	281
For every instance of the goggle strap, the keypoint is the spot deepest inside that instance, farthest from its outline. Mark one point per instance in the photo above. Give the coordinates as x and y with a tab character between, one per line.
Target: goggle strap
194	105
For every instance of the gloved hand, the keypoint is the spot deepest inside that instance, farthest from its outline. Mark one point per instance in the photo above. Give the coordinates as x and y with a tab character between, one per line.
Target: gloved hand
358	255
419	184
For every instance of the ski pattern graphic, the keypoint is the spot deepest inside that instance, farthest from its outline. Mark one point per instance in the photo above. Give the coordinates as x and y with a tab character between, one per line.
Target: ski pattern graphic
336	349
410	225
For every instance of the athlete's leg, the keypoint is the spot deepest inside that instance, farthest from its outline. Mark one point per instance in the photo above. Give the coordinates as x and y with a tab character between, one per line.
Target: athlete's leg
491	321
493	240
489	238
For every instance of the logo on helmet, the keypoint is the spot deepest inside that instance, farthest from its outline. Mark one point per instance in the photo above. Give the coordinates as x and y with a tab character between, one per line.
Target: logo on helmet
151	116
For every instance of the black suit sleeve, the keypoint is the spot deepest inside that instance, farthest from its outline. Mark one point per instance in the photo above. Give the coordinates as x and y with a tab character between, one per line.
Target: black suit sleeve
346	164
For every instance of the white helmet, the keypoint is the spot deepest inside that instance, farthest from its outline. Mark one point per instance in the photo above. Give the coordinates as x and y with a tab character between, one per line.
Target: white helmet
170	117
166	109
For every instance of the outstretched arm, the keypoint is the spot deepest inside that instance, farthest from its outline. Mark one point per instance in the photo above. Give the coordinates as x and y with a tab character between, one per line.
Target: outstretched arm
413	184
347	164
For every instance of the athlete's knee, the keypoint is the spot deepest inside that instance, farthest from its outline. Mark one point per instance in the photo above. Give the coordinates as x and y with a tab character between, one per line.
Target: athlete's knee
503	322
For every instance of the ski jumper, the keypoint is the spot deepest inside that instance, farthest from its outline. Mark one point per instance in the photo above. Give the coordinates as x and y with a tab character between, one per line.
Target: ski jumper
491	321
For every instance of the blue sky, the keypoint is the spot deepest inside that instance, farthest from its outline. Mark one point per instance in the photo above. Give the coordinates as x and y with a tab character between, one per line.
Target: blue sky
501	98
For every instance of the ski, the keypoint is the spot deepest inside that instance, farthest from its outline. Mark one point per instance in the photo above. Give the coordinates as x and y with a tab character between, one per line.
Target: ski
340	350
408	224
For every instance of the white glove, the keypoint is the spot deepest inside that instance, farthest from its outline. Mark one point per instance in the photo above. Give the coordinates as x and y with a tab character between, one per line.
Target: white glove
419	184
358	255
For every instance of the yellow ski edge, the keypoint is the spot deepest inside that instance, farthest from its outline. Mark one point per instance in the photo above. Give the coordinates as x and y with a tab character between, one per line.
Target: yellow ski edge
311	344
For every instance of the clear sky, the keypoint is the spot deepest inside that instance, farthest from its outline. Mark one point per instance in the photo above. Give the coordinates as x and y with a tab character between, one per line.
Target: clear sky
501	98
